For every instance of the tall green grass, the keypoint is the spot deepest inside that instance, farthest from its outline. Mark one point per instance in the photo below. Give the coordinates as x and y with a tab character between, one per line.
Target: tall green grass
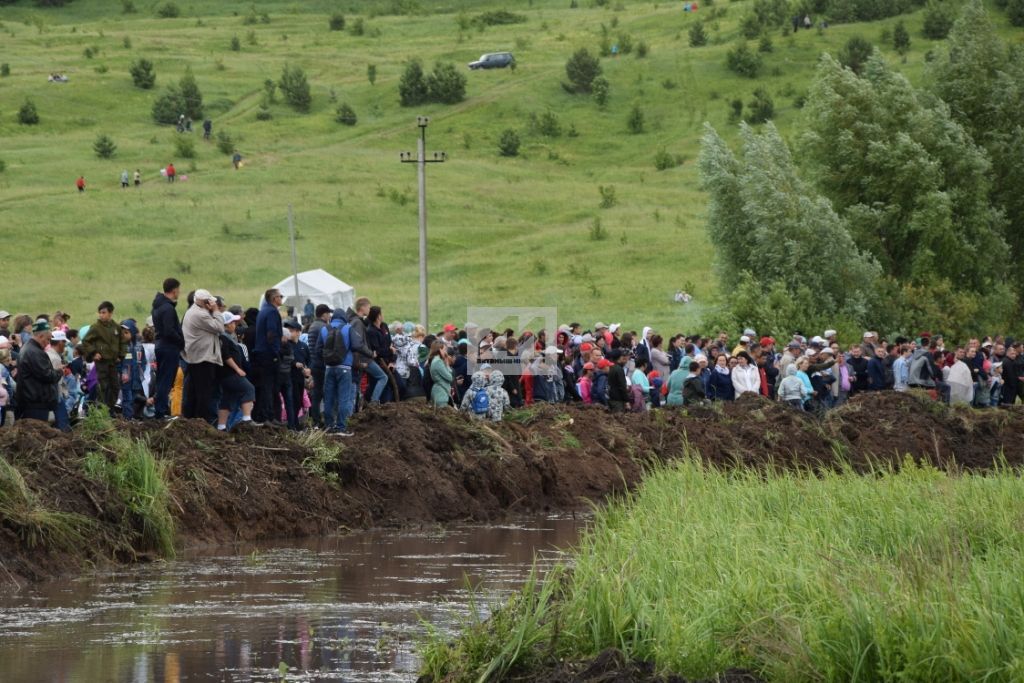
134	476
911	575
36	524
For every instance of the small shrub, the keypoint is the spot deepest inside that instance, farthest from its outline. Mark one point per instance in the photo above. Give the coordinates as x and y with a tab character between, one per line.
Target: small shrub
270	88
412	86
5	70
225	143
104	147
641	50
762	108
336	22
498	18
250	37
127	7
27	114
938	19
855	54
669	84
295	88
736	111
597	232
346	115
168	10
582	68
698	36
88	52
601	89
547	124
127	42
263	113
743	61
358	27
765	45
142	73
236	44
625	43
664	161
184	146
635	122
371	73
3	165
607	193
508	143
446	84
901	39
101	69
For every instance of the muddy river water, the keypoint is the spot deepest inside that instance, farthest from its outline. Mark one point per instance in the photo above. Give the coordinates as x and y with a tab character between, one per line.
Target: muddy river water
348	608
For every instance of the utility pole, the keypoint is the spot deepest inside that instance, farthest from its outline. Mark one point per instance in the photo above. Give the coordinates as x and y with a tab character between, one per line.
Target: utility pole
295	260
421	161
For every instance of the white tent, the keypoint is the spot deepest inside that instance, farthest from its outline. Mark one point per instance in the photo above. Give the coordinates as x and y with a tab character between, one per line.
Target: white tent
320	287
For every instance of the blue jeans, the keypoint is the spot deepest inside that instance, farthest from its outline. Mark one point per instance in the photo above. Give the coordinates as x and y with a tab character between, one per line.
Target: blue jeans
338	394
380	380
167	358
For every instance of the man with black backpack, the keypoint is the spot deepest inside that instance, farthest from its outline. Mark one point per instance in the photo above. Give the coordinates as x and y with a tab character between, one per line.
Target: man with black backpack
335	343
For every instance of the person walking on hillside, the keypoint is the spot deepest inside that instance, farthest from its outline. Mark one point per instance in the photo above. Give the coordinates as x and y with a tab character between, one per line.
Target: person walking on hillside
37	390
138	178
266	350
170	342
207	129
80	183
171	173
124	179
202	328
104	346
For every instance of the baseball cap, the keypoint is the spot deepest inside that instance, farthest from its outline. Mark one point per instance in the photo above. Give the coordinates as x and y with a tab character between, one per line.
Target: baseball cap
987	345
750	332
810	352
600	326
4	314
829	333
614	327
41	325
744	339
59	336
292	325
449	328
817	340
463	342
203	295
588	366
586	346
868	335
793	344
230	317
551	350
587	338
767	341
827	350
604	364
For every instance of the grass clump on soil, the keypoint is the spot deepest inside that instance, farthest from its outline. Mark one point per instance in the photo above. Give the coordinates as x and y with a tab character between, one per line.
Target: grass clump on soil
37	525
904	575
132	474
324	455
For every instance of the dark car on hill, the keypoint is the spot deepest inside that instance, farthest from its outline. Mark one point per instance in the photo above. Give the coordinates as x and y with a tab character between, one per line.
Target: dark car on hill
493	60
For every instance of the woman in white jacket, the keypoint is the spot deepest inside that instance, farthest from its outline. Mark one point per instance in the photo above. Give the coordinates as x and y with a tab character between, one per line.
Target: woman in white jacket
745	376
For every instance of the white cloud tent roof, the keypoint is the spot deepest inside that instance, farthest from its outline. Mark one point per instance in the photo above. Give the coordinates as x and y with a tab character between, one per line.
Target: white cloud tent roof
320	287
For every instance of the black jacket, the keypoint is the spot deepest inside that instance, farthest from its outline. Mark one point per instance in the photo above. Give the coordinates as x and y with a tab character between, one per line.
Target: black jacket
379	340
166	323
617	388
37	378
357	339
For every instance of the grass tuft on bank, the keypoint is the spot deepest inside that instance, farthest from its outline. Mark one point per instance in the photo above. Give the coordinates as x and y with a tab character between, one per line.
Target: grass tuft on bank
904	575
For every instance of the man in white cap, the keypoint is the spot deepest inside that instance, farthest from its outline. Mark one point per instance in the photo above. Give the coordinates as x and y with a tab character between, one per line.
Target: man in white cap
55	351
202	327
742	346
5	324
830	336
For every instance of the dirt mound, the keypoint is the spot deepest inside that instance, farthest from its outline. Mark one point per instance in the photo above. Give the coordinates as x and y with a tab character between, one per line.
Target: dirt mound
611	666
414	464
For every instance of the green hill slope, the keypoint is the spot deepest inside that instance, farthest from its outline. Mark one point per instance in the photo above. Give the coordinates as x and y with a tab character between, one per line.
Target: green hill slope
503	231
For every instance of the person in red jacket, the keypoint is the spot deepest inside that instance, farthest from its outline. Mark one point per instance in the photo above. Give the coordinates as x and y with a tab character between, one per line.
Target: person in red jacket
170	173
80	183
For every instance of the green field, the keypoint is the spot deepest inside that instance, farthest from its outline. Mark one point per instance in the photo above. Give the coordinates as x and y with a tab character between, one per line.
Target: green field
895	576
503	231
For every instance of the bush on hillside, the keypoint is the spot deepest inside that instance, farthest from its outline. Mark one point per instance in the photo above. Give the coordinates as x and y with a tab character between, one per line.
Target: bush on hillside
582	68
498	18
1015	12
225	143
547	124
855	54
642	49
901	39
295	88
336	22
635	122
264	113
508	144
761	108
412	86
5	70
358	27
27	114
236	44
346	115
183	98
142	75
938	19
664	160
743	61
127	7
104	147
184	146
371	73
698	36
600	87
168	10
446	84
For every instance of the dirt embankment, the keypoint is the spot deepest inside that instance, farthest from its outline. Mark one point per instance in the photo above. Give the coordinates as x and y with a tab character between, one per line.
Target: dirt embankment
412	464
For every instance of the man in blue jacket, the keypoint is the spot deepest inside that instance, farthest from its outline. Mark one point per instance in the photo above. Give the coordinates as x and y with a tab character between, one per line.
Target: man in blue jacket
265	353
338	387
169	344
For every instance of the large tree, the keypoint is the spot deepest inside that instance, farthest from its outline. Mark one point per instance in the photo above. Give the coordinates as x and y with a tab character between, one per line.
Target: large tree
910	181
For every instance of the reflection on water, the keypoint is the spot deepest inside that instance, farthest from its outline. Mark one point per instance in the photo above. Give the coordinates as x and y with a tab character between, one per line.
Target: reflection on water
348	608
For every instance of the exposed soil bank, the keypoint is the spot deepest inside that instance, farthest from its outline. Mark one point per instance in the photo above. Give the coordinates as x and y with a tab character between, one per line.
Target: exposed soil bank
412	464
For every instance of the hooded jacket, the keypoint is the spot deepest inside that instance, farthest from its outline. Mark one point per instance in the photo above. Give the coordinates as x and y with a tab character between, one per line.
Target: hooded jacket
338	321
166	324
792	388
479	383
497	398
316	349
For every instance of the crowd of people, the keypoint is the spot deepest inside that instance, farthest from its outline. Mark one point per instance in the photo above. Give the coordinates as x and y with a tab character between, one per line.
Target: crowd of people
241	369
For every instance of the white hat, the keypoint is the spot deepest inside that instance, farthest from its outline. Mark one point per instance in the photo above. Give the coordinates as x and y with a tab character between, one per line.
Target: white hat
230	317
868	335
817	340
600	326
810	352
744	339
552	350
59	336
4	314
149	321
614	327
586	338
827	350
202	295
987	345
750	332
829	333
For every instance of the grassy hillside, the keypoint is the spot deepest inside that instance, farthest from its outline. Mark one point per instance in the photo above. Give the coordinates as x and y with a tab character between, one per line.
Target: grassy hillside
503	231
